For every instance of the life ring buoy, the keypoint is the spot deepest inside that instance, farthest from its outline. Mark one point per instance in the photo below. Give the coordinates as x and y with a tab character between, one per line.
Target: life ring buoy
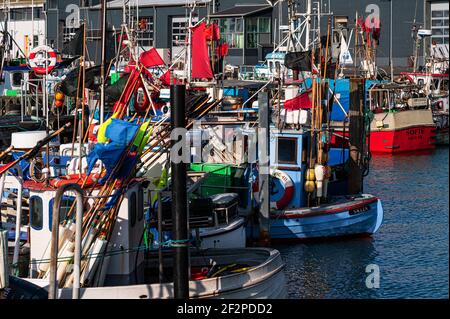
288	188
37	59
75	179
36	167
141	100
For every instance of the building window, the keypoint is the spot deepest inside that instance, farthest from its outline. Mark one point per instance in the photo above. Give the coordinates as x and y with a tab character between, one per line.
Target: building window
68	33
258	32
36	213
179	30
439	23
232	31
37	13
145	31
52	4
35	41
287	150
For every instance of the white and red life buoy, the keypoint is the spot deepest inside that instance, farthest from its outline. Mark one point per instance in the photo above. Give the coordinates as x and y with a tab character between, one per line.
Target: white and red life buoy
287	184
42	59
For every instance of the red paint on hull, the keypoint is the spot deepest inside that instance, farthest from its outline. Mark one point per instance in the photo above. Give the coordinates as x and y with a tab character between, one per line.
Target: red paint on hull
418	138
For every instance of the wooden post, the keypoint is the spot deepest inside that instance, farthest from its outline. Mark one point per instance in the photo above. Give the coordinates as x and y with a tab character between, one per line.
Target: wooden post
356	135
264	169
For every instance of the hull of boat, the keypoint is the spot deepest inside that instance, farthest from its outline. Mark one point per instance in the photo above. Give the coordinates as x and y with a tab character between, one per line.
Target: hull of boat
266	280
442	136
418	138
229	236
355	217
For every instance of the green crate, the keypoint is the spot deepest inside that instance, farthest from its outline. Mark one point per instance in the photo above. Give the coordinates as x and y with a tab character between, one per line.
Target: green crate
221	178
12	93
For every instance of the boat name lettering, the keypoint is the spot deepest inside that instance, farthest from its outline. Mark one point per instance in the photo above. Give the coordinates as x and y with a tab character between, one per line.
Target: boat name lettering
360	210
415	131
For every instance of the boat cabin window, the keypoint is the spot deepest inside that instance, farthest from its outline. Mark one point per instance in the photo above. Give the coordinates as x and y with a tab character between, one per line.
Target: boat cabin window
36	214
287	150
132	208
66	204
17	78
443	87
140	204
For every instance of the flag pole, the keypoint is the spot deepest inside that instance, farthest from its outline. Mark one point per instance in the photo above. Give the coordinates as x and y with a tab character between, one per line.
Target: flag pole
102	67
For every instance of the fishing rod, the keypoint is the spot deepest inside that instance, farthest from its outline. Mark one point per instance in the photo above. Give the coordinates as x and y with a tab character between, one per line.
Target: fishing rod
35	150
5	152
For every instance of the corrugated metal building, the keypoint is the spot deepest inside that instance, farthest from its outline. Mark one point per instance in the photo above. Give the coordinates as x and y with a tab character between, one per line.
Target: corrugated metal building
251	27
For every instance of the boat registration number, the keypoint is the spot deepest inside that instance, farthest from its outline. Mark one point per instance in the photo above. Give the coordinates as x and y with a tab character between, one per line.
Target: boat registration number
360	210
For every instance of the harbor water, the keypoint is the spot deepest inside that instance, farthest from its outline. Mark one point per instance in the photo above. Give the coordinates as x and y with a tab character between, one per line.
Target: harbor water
411	249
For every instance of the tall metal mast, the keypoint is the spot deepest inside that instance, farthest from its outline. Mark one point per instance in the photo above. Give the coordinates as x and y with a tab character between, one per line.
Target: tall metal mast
308	23
102	67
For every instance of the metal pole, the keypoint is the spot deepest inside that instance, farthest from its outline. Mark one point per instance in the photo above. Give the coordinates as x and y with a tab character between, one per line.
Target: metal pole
179	196
264	169
102	67
32	24
308	24
356	137
53	282
160	256
19	179
391	60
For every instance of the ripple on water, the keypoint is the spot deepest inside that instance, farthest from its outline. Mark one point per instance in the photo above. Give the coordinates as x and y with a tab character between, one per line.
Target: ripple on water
411	248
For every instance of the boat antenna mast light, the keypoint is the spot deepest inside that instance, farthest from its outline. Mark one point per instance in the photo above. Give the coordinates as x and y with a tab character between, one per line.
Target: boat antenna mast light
418	35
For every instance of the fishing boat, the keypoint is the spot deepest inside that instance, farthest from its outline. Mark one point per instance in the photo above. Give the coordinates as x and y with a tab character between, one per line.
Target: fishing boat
292	214
128	271
435	85
403	120
90	223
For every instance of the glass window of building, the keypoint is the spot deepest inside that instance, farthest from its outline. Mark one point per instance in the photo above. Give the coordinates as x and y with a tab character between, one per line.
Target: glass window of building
258	32
179	33
439	23
232	31
145	31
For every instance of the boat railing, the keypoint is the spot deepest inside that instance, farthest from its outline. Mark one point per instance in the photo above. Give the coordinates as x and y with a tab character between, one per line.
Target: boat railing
53	283
14	182
32	95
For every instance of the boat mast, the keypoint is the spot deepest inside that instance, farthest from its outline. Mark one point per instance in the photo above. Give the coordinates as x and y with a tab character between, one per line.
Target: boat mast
103	62
189	45
308	23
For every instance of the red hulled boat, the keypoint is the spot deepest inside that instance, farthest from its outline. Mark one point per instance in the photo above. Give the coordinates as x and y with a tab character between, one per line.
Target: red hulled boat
403	120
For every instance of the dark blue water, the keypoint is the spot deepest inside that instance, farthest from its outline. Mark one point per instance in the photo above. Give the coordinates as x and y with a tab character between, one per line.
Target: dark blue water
411	248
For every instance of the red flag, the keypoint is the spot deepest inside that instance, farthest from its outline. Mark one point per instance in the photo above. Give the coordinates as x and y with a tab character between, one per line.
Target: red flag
361	23
213	32
301	101
201	66
165	78
222	50
151	58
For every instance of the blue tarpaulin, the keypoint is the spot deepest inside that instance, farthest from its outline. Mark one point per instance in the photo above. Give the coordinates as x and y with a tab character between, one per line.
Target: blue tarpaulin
120	133
341	87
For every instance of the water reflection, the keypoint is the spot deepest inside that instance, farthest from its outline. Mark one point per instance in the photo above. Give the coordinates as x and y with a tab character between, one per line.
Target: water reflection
411	247
334	269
